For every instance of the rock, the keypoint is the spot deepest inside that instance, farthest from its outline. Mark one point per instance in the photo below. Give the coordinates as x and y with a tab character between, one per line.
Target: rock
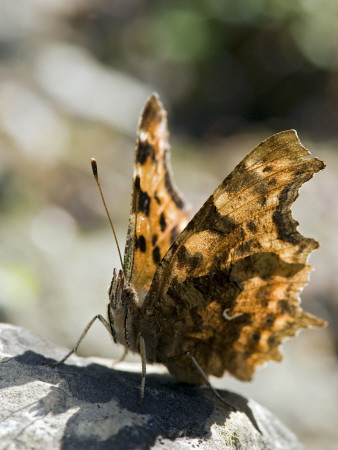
83	404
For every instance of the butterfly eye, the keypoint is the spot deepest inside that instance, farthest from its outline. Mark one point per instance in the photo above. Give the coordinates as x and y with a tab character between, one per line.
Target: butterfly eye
129	296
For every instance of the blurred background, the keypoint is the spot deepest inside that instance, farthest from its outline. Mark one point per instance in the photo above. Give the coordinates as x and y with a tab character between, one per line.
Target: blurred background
74	75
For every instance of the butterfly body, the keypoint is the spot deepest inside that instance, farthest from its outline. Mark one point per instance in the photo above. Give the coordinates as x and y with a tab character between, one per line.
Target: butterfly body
223	287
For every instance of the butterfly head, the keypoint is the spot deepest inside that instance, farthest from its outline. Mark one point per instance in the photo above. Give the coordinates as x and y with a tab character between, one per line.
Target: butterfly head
121	292
123	301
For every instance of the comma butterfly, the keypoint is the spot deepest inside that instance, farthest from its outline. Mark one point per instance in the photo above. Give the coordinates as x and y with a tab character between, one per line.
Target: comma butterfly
217	293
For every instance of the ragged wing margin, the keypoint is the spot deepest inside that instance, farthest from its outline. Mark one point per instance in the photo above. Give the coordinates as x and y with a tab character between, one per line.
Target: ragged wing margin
241	258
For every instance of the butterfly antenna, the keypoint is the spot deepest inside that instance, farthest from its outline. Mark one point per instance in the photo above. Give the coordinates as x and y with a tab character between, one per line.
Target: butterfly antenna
94	168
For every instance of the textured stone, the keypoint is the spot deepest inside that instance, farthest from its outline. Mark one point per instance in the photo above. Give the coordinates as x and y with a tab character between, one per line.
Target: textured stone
85	404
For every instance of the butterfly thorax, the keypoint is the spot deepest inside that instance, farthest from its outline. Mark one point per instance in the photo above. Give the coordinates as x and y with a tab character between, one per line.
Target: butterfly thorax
122	308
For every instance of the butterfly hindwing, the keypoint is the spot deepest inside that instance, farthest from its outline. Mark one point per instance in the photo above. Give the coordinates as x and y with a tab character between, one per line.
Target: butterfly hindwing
158	212
227	289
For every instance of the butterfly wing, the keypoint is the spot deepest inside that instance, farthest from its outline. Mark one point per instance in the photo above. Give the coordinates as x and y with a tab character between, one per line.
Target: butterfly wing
158	212
227	290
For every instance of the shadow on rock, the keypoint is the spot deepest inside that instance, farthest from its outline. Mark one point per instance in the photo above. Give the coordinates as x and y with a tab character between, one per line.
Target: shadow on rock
105	403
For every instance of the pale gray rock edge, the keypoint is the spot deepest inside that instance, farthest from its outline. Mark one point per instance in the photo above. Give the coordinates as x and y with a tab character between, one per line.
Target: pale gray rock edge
82	404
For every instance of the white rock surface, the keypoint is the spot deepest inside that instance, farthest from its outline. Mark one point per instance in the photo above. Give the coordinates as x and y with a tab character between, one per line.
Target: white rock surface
87	405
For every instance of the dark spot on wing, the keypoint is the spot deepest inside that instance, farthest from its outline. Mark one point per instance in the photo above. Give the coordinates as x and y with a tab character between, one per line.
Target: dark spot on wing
156	255
261	188
264	301
271	341
255	244
263	201
284	307
171	191
272	182
137	183
158	201
246	180
188	261
163	223
267	169
154	239
140	243
244	248
269	320
264	265
144	151
210	219
144	202
263	293
282	216
256	336
247	354
251	226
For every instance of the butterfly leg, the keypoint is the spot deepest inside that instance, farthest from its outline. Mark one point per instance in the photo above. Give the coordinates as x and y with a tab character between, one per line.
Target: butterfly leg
144	366
85	331
203	375
123	357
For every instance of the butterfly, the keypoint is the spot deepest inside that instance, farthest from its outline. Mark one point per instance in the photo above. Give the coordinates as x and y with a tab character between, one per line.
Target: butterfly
217	293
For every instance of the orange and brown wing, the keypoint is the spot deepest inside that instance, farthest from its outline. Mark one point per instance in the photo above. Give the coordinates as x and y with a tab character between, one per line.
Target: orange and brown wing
158	212
227	290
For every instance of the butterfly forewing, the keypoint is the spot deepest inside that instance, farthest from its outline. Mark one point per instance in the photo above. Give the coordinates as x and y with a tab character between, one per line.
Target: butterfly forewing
158	212
228	287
